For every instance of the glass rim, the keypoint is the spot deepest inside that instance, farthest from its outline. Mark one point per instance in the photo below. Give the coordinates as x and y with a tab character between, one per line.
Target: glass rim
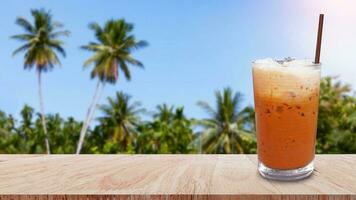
311	64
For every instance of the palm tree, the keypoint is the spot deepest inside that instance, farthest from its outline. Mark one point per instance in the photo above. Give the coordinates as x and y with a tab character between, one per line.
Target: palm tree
121	119
7	125
41	45
223	132
164	113
112	52
169	132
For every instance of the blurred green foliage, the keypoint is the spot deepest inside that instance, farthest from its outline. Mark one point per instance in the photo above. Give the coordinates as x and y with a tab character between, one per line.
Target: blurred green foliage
337	118
228	128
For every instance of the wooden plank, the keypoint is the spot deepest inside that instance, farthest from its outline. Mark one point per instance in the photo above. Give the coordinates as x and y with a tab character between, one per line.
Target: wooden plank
167	177
9	157
178	197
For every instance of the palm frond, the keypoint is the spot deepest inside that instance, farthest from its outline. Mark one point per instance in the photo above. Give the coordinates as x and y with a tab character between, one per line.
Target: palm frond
57	24
21	49
204	105
26	25
56	44
99	32
135	105
141	44
125	69
207	123
23	37
59	33
96	47
212	143
132	61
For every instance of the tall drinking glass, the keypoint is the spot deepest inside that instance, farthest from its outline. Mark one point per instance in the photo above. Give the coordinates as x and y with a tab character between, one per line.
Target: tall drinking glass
286	97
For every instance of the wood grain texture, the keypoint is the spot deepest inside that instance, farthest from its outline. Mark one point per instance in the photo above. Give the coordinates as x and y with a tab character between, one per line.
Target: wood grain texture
167	177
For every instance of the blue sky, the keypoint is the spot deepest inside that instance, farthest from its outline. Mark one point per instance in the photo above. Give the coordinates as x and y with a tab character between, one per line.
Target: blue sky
196	47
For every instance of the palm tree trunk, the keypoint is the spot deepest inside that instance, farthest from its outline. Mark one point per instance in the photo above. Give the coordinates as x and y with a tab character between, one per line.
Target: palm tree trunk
127	137
200	143
43	118
95	105
89	116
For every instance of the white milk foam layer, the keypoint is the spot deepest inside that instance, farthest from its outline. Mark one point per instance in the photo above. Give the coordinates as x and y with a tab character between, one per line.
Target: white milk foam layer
301	69
278	78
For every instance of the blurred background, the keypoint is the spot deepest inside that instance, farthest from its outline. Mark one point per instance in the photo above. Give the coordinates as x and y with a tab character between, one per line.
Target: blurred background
155	77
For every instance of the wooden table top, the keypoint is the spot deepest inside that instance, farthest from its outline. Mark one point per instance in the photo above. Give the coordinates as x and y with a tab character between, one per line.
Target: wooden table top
166	176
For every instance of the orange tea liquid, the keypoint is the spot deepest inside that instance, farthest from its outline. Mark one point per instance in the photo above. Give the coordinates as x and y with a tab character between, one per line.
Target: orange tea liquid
286	103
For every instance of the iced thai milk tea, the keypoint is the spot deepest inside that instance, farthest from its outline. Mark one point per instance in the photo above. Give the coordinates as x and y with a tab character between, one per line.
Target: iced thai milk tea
286	97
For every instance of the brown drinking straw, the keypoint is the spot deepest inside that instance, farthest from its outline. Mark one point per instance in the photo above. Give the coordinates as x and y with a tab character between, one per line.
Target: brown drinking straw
318	41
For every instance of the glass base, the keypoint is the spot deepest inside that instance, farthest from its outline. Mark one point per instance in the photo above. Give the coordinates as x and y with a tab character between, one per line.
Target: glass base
285	175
